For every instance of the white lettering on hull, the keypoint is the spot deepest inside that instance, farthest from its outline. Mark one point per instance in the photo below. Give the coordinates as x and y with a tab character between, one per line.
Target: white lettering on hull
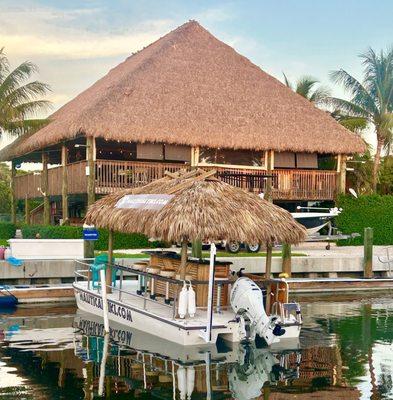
113	308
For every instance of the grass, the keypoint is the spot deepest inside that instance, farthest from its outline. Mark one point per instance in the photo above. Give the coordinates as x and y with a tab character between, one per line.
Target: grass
205	254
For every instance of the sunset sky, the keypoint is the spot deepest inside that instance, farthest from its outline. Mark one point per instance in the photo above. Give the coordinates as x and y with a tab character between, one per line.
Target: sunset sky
76	42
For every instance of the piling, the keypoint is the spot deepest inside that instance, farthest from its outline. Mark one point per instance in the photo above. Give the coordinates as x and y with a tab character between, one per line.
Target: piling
368	252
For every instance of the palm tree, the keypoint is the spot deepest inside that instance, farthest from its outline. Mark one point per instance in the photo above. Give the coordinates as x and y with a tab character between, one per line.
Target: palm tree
19	99
306	86
371	102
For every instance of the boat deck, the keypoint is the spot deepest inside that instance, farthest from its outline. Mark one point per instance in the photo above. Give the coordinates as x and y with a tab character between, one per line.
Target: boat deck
159	309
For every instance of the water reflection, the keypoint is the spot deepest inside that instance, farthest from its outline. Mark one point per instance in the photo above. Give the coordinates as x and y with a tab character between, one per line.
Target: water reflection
345	352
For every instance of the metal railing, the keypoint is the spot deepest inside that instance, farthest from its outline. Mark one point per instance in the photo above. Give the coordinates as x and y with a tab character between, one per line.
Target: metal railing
146	285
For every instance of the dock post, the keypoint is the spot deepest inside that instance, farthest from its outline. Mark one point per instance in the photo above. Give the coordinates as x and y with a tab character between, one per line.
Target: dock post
183	262
368	252
286	259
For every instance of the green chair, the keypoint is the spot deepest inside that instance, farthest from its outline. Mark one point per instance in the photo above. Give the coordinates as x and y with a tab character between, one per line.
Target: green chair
100	262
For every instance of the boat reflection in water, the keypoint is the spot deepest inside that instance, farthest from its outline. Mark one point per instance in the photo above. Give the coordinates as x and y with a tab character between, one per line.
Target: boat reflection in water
166	370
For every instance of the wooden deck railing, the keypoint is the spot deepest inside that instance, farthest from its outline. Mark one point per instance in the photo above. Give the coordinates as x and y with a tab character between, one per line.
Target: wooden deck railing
113	175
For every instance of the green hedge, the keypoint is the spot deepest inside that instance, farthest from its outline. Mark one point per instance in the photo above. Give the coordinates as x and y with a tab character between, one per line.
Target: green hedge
7	230
121	240
373	211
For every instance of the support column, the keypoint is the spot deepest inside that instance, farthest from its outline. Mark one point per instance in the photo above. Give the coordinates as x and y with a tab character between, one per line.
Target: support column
27	211
108	275
268	195
13	197
45	187
341	173
64	186
90	150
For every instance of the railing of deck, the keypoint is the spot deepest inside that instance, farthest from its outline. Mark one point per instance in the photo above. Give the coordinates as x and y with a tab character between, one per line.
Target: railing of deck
113	175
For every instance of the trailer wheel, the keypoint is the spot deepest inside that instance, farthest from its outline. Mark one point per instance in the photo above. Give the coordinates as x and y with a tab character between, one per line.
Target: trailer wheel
253	248
233	247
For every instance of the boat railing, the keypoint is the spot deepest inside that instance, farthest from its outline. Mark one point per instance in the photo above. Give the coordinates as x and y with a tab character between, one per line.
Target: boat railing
146	286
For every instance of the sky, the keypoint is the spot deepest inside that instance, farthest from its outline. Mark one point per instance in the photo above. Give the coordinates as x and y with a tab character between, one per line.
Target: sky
74	43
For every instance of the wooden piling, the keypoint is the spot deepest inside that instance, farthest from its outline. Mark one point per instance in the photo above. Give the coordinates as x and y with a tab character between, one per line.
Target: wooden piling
286	259
45	187
368	252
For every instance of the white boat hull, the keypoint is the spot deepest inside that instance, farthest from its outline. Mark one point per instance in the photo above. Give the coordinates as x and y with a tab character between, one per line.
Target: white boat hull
173	330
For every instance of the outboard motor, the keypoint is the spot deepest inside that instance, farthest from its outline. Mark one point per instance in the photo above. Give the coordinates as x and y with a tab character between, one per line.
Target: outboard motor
247	303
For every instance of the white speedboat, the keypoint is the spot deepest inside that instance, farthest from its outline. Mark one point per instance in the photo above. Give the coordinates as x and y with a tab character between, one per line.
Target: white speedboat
315	221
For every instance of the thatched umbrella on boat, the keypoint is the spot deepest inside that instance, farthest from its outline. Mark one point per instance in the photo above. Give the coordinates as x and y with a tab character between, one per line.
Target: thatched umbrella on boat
197	206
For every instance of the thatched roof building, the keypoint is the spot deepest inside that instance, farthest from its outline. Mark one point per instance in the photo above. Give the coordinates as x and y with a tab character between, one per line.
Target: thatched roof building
189	88
203	208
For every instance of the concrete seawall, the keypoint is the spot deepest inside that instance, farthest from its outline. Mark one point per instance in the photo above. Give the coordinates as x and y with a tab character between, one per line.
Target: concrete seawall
62	271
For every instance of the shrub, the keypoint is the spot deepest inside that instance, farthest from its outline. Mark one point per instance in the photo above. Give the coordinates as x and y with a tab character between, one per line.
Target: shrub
121	240
7	230
373	211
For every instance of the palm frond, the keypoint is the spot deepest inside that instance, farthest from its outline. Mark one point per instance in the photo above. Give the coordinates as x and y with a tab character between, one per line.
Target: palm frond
286	81
25	93
305	85
346	107
17	77
359	93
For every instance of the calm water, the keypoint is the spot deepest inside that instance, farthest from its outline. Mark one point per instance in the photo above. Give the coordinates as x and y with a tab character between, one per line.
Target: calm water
345	352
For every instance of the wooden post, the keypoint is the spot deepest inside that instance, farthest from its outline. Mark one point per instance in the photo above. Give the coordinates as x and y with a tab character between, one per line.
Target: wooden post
286	259
341	173
13	197
90	145
183	261
45	187
368	252
110	261
27	211
268	195
64	186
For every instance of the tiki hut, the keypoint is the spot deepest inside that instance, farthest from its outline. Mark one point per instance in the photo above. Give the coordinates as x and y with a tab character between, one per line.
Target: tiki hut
201	208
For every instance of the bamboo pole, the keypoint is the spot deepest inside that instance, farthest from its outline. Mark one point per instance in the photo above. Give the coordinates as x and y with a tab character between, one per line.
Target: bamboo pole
368	252
183	261
13	197
45	187
64	186
90	144
110	260
268	269
286	259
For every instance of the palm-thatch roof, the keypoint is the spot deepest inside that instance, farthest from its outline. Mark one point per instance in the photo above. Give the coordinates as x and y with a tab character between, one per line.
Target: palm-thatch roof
202	208
190	88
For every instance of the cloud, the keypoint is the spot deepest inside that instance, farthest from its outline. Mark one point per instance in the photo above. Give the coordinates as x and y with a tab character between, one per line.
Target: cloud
72	34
